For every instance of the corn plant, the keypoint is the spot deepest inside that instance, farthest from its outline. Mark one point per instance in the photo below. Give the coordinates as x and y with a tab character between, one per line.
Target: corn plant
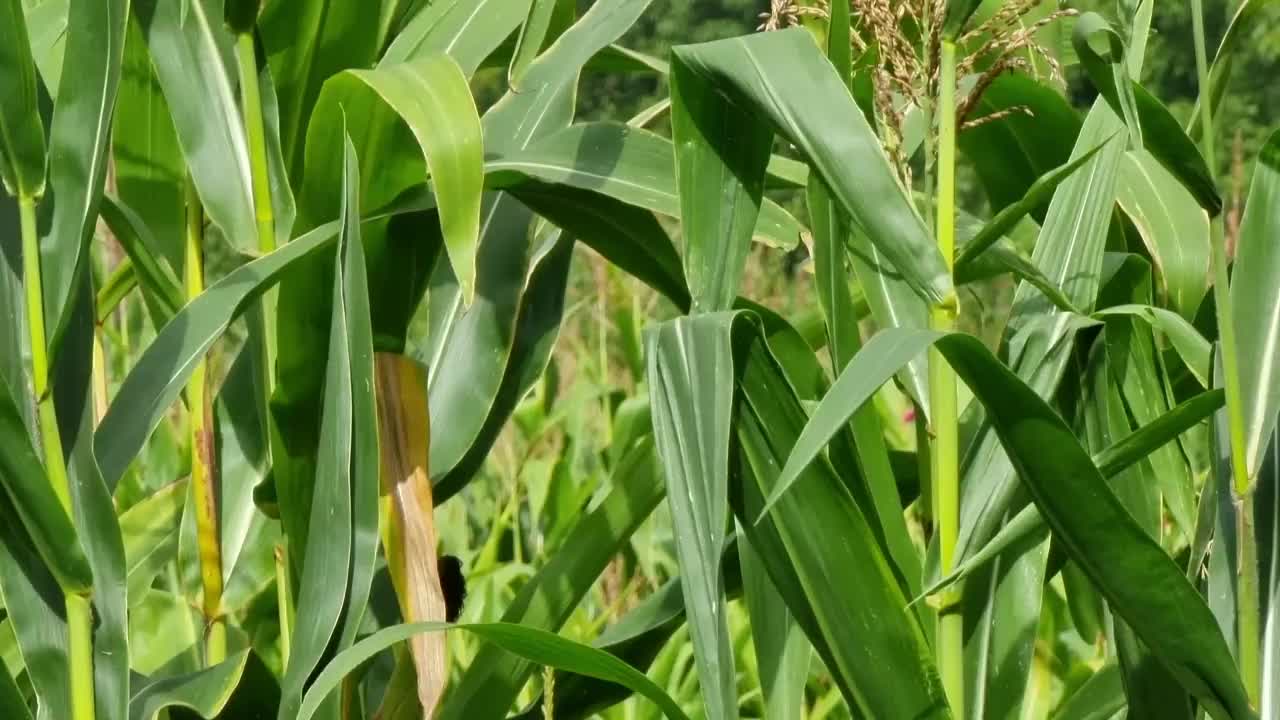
280	280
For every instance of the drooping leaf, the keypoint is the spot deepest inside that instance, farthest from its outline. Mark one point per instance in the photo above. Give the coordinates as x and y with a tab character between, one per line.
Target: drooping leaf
1173	227
1190	345
777	74
205	692
538	646
1160	133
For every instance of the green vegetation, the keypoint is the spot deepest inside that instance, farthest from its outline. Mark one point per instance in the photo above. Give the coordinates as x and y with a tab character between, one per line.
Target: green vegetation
880	359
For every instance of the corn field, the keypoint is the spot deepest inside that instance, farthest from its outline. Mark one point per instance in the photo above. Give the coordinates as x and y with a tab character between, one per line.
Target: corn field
347	371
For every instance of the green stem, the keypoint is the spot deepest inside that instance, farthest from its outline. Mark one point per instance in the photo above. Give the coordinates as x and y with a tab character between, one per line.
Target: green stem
942	400
1241	484
79	611
203	468
80	655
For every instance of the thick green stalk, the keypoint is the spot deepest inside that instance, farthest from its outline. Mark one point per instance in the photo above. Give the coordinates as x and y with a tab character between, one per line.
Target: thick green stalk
203	465
942	399
1241	484
80	655
79	613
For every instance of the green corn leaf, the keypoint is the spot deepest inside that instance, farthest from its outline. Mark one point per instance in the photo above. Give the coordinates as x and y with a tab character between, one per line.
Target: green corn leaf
332	570
163	369
493	680
190	50
1242	21
11	701
205	692
1029	525
874	646
1150	124
36	510
1190	345
36	615
776	75
690	389
1174	229
94	513
1257	271
781	648
22	160
1135	575
469	30
1040	192
1011	153
720	165
307	42
957	15
160	288
534	34
625	163
537	646
241	15
1098	698
150	169
149	531
78	140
